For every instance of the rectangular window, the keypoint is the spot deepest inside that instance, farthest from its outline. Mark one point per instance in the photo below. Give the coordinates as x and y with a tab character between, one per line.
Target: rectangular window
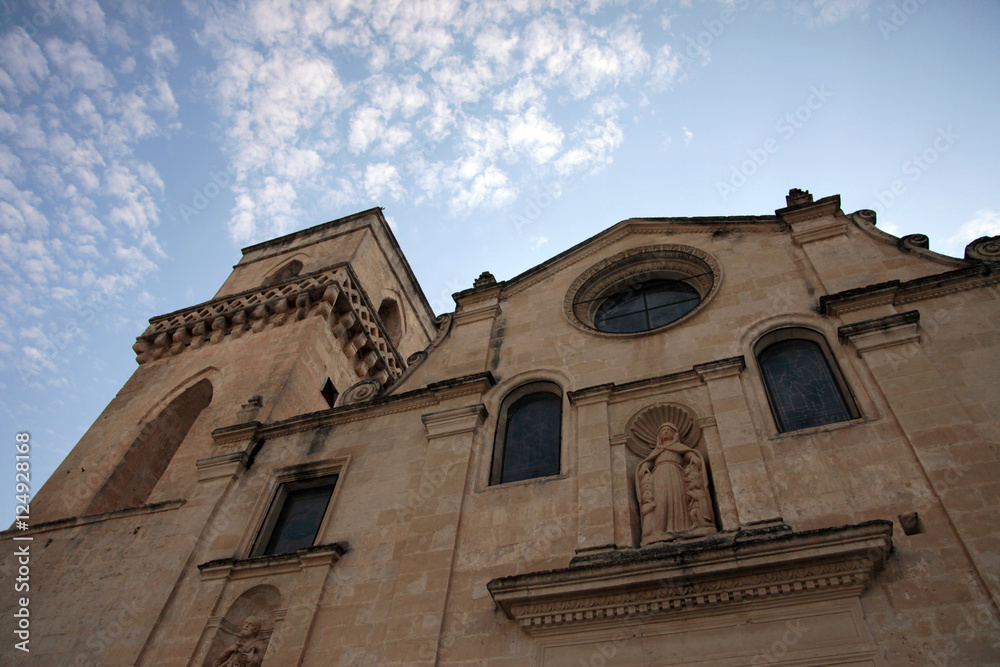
296	515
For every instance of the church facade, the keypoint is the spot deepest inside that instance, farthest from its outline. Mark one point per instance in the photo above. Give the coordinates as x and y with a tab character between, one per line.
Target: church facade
746	440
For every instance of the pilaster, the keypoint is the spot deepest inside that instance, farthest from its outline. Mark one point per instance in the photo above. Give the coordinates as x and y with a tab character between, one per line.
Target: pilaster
414	627
959	464
596	521
752	489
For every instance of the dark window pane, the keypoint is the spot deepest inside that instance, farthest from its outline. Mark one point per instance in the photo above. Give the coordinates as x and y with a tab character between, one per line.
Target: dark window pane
299	520
645	306
625	323
801	386
531	444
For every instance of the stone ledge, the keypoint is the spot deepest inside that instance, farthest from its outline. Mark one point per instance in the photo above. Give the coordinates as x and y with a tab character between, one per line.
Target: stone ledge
260	566
84	519
897	293
772	565
695	376
879	324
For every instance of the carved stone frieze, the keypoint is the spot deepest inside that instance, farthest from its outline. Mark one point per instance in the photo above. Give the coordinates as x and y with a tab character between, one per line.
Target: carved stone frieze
332	293
725	570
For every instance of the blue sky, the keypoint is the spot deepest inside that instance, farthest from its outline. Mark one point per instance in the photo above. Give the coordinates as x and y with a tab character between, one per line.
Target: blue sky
143	144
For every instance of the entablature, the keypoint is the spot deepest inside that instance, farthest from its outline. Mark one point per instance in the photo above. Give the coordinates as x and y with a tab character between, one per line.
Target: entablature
332	292
897	293
730	570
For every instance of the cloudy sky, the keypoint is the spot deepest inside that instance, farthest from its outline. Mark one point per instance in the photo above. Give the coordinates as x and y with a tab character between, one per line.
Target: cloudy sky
142	144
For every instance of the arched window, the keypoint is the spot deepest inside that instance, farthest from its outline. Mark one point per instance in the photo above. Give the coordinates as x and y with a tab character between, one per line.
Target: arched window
289	270
528	434
146	459
803	383
388	312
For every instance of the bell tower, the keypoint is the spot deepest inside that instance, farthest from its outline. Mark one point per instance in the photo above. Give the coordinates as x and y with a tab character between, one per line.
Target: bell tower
300	319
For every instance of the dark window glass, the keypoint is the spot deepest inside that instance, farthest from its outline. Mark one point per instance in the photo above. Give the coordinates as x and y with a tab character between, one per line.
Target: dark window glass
531	441
645	306
801	385
299	519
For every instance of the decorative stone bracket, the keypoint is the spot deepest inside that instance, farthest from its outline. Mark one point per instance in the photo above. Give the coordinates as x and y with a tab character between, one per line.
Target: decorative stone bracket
333	293
726	571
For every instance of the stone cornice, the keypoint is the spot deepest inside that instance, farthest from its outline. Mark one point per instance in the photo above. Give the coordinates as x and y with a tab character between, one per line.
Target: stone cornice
332	293
897	293
453	422
768	566
696	375
721	368
882	332
418	399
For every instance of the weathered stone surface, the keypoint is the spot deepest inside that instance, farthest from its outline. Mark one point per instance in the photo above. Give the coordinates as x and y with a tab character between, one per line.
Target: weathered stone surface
797	568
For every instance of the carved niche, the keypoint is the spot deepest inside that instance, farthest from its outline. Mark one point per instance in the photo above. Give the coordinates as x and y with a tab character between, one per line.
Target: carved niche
243	634
671	479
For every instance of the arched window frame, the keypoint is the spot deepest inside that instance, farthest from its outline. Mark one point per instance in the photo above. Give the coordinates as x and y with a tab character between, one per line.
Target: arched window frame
391	316
503	418
801	333
286	271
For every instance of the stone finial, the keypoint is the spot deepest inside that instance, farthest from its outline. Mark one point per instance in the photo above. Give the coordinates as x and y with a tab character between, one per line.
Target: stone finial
984	249
485	279
798	197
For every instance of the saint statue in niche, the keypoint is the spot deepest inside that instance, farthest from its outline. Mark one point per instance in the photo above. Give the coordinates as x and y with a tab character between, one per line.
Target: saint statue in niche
672	487
248	651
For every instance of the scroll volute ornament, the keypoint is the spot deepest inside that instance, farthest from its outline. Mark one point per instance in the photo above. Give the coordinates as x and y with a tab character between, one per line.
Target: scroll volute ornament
671	481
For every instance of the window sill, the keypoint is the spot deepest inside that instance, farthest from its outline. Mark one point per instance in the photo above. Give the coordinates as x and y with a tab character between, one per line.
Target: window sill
322	554
823	428
523	482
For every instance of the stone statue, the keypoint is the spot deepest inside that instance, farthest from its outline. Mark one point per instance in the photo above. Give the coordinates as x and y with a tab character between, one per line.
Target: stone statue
248	651
672	487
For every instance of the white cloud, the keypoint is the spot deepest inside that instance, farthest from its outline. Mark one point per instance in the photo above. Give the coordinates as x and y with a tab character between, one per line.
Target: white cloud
536	242
22	60
983	223
383	179
79	66
455	97
666	68
534	135
161	49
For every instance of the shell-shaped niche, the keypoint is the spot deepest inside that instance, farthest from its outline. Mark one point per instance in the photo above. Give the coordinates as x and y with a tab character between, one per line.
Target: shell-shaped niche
641	430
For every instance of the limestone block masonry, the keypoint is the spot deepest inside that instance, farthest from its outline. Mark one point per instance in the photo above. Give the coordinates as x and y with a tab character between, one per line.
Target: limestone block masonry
746	440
